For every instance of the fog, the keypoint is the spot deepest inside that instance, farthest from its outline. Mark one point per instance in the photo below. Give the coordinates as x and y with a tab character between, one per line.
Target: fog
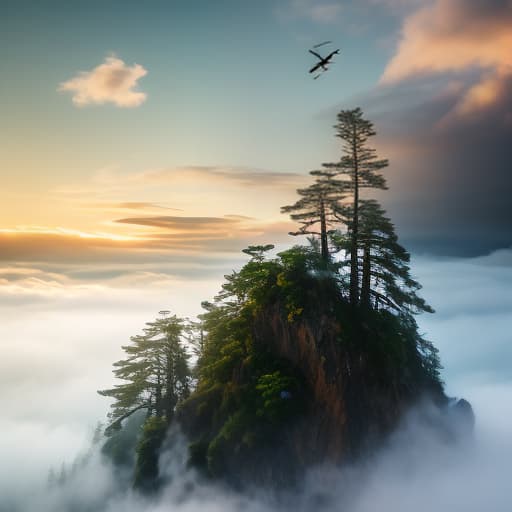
57	351
418	470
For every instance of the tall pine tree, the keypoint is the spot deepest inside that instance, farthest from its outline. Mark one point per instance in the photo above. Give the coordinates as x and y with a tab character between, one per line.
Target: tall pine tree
384	264
315	210
155	372
359	166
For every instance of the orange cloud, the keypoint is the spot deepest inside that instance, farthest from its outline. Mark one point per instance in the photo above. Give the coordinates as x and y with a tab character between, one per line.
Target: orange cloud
190	224
152	240
110	82
455	36
484	94
450	36
125	222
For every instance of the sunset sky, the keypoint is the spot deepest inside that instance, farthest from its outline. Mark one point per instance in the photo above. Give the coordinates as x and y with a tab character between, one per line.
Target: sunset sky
144	144
167	131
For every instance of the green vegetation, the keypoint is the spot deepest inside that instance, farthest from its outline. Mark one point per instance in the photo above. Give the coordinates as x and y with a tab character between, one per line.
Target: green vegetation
246	394
156	379
352	283
156	372
121	443
148	451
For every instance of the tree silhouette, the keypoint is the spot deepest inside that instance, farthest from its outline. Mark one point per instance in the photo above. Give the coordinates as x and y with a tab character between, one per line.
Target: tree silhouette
384	264
359	166
155	372
315	210
333	210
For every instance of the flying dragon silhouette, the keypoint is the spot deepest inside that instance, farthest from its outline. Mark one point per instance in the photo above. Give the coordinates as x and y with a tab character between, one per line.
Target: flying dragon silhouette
323	62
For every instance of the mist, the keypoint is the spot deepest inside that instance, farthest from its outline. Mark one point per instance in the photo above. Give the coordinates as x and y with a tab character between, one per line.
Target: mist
53	363
418	469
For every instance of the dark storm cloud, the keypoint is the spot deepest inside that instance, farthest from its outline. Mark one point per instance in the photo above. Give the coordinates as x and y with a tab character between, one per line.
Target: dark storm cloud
443	112
450	180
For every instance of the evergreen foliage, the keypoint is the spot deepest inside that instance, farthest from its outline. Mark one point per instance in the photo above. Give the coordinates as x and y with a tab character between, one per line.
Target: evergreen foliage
120	445
360	233
157	378
155	372
245	394
354	274
360	166
316	209
383	264
146	469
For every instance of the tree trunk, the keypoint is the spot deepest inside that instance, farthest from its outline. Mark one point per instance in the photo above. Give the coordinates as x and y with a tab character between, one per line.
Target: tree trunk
354	270
158	396
169	399
323	233
365	281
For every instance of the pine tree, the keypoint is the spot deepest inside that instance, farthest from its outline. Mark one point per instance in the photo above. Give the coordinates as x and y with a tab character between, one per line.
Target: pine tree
155	372
359	166
315	211
385	273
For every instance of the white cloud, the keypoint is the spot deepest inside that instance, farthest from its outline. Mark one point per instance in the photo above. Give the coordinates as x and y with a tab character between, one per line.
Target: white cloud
110	82
56	353
418	470
473	303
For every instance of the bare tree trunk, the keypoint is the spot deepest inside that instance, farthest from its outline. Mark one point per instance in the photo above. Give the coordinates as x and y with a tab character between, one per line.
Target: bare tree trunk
158	396
323	233
354	270
366	279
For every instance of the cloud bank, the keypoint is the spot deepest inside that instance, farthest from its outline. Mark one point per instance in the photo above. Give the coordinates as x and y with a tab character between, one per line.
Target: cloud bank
55	356
127	235
453	36
111	82
443	112
418	470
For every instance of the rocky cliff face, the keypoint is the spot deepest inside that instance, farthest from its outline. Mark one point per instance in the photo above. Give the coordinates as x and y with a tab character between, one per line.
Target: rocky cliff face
352	401
358	378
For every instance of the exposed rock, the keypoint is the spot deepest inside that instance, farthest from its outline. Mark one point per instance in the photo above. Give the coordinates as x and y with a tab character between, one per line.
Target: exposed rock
358	385
460	417
351	406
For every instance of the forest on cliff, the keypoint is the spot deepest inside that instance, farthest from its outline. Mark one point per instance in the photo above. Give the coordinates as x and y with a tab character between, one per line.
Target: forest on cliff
309	355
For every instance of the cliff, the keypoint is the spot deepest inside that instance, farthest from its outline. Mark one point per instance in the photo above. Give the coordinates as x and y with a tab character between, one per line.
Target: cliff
342	385
353	397
291	374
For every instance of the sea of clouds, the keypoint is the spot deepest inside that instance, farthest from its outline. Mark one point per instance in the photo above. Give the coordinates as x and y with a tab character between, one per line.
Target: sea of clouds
55	353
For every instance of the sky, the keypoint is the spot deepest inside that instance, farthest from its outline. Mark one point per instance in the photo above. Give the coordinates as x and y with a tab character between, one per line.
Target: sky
117	113
144	144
